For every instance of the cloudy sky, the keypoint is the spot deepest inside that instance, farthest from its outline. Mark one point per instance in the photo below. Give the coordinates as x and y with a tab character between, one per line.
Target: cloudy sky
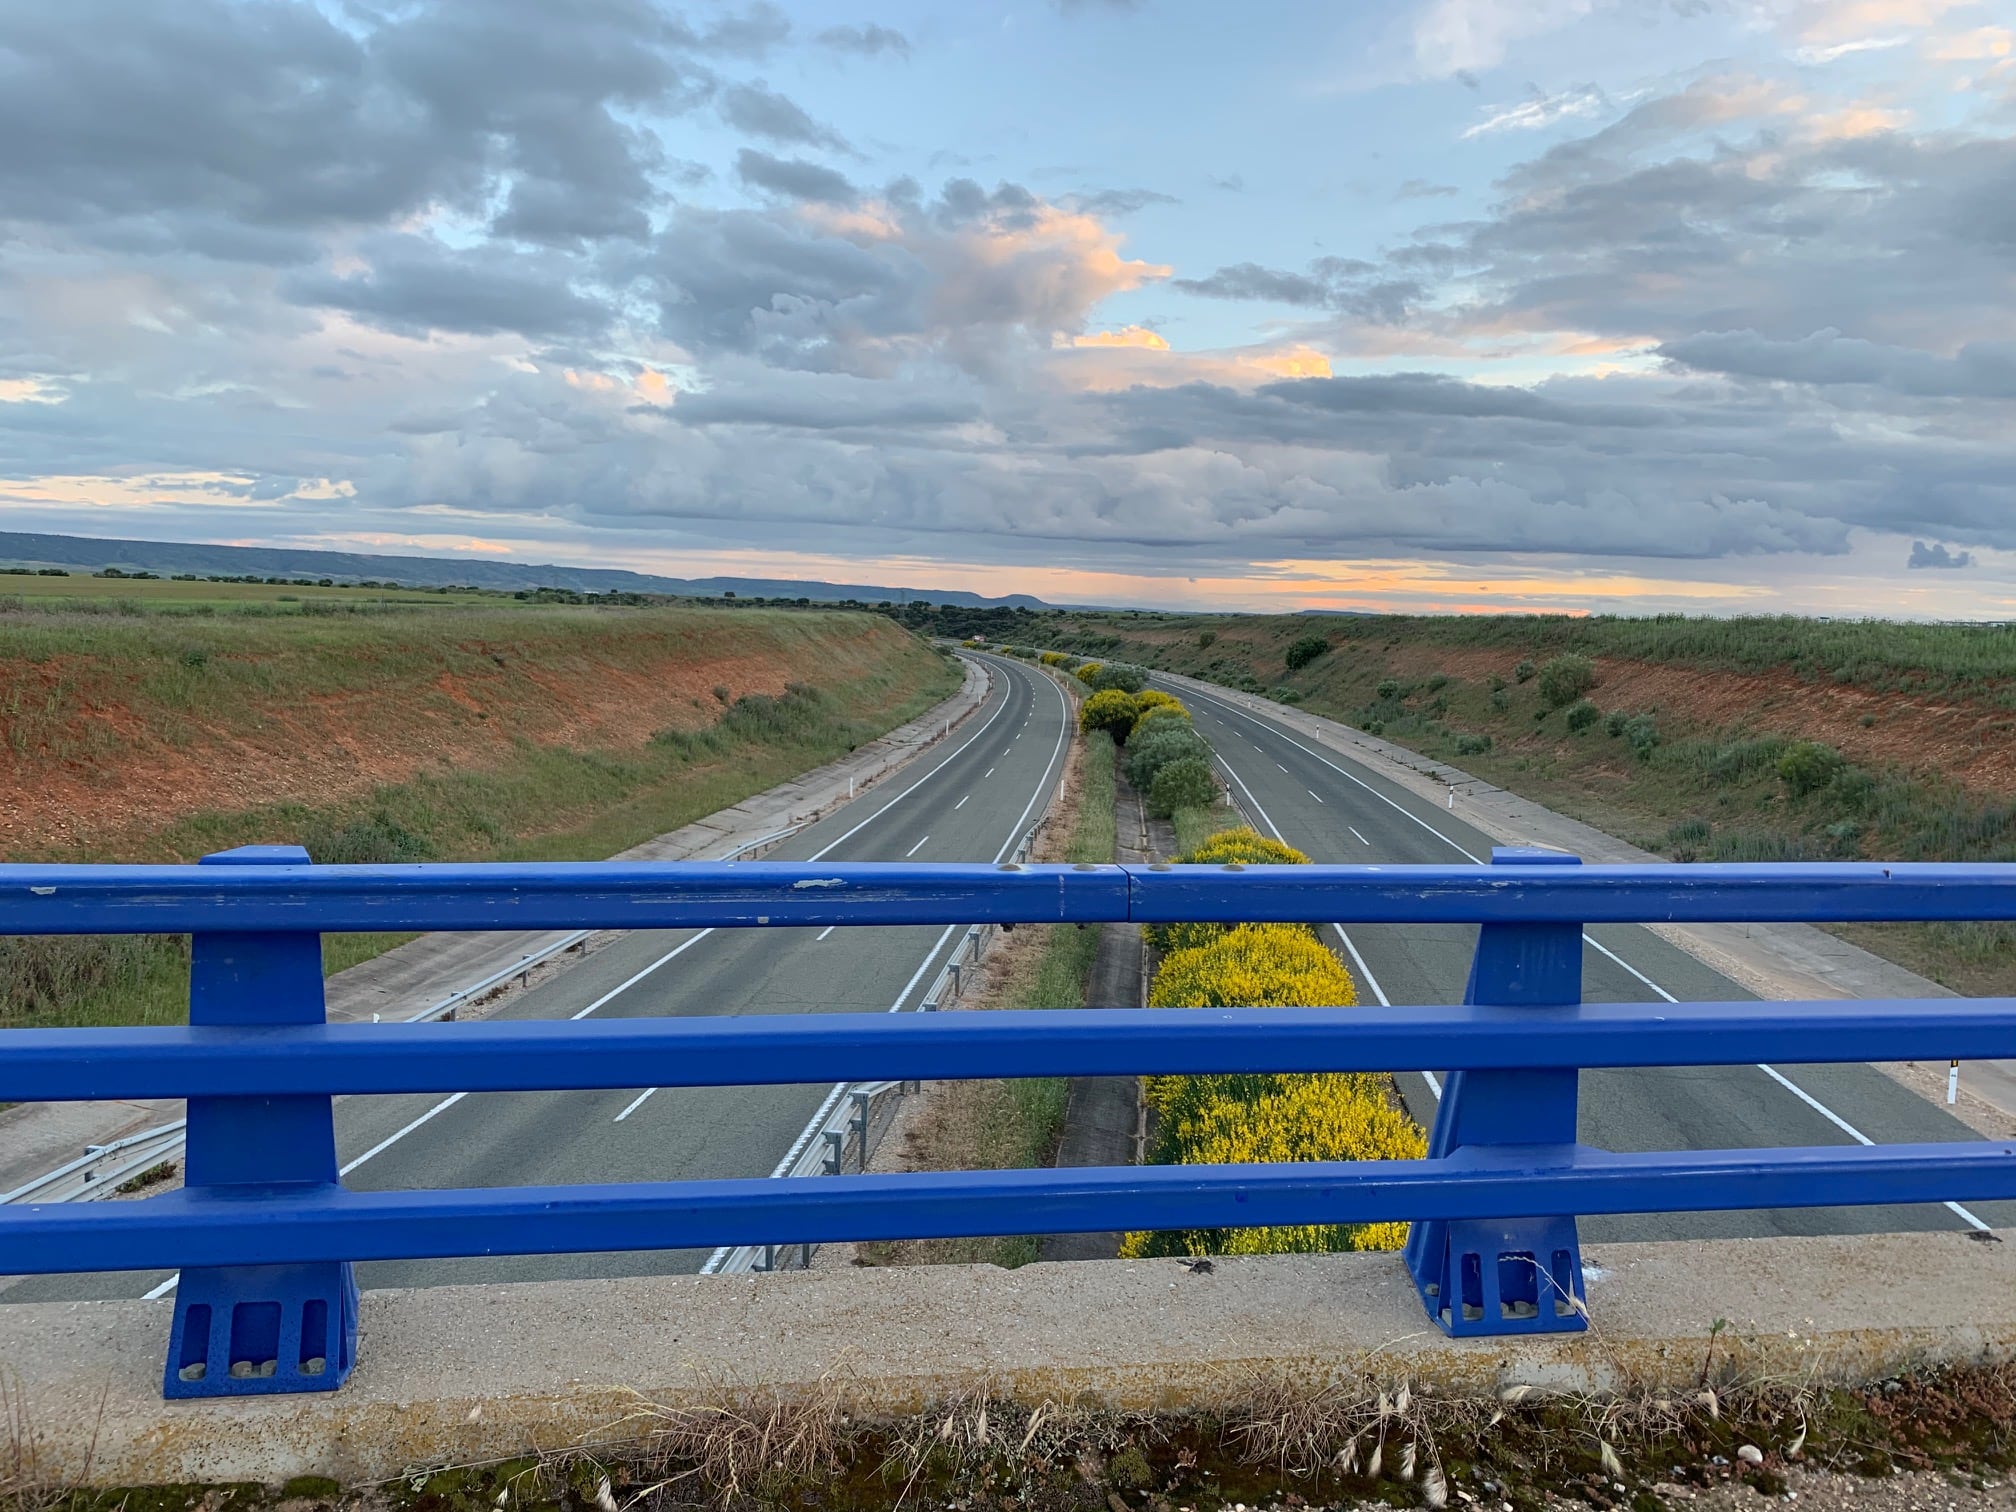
1453	304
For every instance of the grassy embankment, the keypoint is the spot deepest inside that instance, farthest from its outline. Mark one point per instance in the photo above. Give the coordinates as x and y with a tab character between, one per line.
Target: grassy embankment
475	733
1687	742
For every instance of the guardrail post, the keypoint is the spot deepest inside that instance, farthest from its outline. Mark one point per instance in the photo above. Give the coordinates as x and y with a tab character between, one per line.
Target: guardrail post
1517	1275
245	1330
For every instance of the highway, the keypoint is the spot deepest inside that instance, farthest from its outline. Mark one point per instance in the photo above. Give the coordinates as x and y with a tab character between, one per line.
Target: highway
971	799
1337	810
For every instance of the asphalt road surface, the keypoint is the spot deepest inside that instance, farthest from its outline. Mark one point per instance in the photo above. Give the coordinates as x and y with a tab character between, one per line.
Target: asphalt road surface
1336	810
970	800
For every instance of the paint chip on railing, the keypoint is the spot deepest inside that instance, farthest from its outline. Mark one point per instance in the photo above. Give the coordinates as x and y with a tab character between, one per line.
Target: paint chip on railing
819	882
43	892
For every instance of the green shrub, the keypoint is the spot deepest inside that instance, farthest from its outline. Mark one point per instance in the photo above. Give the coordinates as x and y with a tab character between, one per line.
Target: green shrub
1285	696
1111	710
1523	672
1205	638
1388	690
1472	745
1187	783
1566	678
1150	750
1689	832
1582	714
1118	675
1438	682
1495	683
1808	766
376	841
1642	733
1305	651
1614	722
1501	701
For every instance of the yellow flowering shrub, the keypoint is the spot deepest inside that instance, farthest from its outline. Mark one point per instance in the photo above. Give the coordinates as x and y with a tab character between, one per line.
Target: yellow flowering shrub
1086	673
1054	658
1155	698
1255	1118
1109	710
1242	845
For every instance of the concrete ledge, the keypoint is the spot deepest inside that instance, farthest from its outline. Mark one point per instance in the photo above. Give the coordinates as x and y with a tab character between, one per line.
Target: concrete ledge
461	1374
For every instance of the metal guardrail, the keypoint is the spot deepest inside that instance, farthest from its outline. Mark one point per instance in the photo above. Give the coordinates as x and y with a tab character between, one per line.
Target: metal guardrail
264	1232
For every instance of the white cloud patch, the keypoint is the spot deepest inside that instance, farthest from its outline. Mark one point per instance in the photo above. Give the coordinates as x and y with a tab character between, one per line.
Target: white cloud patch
1541	111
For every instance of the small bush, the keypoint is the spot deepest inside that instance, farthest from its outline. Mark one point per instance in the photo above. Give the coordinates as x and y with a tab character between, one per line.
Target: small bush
1087	672
1582	714
1472	745
1151	749
1242	846
1524	672
1495	683
1118	676
1642	732
1184	783
1305	651
1501	701
1205	638
1566	678
1111	710
1155	698
1614	722
1808	766
1689	832
377	841
1285	696
1388	690
1438	682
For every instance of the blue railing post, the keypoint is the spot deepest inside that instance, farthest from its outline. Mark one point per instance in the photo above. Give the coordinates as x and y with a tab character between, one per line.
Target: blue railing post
253	1329
1484	1276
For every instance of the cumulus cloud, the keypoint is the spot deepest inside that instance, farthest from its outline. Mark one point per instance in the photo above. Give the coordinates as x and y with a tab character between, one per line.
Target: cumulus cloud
1936	555
437	262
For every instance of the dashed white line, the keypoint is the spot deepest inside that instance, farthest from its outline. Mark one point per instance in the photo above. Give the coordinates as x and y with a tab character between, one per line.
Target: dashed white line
1771	1071
986	774
1314	794
915	848
1361	839
960	804
824	932
636	1103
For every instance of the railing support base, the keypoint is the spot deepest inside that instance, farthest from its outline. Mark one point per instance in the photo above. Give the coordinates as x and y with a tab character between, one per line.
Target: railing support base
1515	1275
251	1330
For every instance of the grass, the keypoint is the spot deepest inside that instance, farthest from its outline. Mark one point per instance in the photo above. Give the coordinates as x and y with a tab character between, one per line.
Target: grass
167	595
1015	1124
1682	786
531	801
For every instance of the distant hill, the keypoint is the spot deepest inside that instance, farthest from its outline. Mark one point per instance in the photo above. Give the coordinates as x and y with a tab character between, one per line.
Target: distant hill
90	554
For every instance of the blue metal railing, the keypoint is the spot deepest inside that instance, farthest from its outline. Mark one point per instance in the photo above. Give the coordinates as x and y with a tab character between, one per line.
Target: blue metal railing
265	1234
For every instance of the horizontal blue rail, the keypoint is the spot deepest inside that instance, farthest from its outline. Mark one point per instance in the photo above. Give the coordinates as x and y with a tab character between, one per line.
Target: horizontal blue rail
71	899
321	1224
265	1233
82	1065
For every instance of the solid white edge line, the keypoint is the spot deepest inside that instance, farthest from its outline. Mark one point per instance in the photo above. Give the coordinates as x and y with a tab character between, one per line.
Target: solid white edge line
1771	1071
720	1256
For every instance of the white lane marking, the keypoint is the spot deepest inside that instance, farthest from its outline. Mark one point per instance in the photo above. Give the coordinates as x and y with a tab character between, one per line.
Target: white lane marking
1390	803
162	1290
915	848
676	950
635	1104
986	774
1314	794
824	932
715	1260
1771	1071
947	761
1361	839
960	804
1278	764
390	1140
